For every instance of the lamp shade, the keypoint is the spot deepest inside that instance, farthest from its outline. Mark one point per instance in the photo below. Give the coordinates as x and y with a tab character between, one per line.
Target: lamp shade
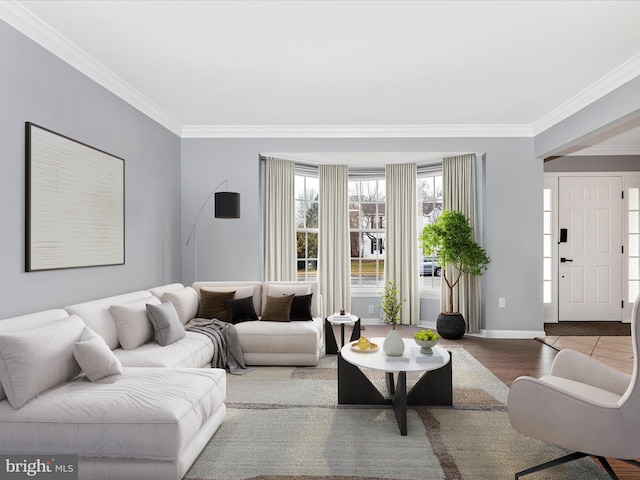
227	205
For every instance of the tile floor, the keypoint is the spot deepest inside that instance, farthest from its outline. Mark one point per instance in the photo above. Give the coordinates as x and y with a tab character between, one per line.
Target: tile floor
614	351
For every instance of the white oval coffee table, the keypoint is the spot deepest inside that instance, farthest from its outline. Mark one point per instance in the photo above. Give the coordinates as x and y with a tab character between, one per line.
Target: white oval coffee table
433	388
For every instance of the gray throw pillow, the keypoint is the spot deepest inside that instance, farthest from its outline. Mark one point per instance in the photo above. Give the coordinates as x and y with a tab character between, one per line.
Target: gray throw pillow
166	323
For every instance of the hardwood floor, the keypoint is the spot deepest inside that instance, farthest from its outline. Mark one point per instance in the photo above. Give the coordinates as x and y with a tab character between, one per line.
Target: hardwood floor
507	359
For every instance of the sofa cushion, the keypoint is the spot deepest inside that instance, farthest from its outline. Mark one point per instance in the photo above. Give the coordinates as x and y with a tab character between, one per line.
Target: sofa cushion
23	322
95	358
36	359
147	413
301	308
288	289
95	314
132	324
277	309
166	324
214	304
186	302
241	310
194	350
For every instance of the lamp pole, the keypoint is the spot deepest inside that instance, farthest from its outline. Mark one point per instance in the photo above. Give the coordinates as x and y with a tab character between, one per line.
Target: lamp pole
194	230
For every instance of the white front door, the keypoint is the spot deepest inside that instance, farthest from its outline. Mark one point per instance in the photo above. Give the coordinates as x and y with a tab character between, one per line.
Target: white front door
590	260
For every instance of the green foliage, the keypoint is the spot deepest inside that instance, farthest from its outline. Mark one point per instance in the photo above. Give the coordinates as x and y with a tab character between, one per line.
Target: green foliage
450	239
391	305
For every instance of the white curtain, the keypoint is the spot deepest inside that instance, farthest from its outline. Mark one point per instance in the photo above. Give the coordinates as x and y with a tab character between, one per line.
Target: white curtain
401	254
334	265
459	193
280	231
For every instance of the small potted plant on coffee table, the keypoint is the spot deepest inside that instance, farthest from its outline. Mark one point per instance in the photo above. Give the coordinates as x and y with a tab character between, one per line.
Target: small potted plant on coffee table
393	344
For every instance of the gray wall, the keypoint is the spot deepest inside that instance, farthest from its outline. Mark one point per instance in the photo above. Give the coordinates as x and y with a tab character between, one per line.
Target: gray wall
37	86
229	249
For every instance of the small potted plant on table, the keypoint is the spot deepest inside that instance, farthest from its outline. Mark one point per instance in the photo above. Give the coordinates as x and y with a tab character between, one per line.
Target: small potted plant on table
393	344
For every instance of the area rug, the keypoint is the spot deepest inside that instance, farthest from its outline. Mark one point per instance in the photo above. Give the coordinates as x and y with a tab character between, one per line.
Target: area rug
591	329
284	423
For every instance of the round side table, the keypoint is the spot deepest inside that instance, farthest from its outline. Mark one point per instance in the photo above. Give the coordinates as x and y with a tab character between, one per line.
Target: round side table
331	345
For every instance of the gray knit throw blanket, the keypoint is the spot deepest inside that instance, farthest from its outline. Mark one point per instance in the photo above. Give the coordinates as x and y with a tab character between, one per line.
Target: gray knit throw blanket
227	351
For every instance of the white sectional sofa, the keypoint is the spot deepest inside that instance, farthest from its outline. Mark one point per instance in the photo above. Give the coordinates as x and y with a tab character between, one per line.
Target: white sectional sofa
149	423
153	415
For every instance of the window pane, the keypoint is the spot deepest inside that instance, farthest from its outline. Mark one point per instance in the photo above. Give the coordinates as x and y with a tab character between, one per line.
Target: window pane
547	222
312	188
634	199
546	292
633	290
312	245
311	219
634	245
299	186
634	271
546	199
634	223
547	246
546	269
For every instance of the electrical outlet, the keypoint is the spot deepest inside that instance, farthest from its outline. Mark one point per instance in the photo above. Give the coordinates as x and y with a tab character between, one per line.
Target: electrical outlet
371	308
502	302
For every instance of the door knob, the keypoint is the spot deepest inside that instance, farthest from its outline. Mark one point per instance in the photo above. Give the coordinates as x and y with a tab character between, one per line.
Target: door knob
563	260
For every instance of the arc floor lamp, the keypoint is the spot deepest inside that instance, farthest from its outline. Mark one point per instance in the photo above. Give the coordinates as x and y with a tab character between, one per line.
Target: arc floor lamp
226	205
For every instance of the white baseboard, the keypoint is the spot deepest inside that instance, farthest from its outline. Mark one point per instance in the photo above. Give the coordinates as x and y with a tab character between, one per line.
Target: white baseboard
514	334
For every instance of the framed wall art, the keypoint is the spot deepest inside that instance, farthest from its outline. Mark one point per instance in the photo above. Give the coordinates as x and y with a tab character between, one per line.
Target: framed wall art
74	203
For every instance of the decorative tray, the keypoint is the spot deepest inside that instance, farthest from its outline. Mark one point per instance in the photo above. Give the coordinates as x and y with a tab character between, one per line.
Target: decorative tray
373	347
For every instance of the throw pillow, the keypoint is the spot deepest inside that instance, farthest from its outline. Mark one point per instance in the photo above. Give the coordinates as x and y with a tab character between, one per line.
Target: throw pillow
36	359
95	358
185	301
133	326
214	304
166	323
278	309
241	310
301	308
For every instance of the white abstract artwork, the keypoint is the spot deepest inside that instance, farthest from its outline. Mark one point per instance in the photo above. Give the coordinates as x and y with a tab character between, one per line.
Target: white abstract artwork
75	203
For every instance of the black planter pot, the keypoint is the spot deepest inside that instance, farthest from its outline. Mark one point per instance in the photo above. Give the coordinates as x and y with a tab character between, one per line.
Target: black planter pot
451	326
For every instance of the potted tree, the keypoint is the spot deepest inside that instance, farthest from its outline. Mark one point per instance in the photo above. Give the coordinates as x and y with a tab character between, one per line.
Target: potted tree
450	239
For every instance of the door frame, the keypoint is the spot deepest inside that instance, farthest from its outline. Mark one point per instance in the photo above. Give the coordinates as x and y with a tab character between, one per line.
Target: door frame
551	182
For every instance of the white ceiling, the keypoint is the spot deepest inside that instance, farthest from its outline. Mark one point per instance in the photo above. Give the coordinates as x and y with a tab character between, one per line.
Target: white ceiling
346	68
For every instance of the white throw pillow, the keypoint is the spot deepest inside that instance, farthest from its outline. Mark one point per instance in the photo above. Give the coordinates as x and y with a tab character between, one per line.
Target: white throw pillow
185	301
133	326
95	358
36	359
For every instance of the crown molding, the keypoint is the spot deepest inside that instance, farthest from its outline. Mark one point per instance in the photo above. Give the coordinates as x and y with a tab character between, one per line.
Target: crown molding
354	131
29	25
612	80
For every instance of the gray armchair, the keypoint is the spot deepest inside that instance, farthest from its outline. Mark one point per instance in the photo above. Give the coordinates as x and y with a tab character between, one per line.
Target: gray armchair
582	405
